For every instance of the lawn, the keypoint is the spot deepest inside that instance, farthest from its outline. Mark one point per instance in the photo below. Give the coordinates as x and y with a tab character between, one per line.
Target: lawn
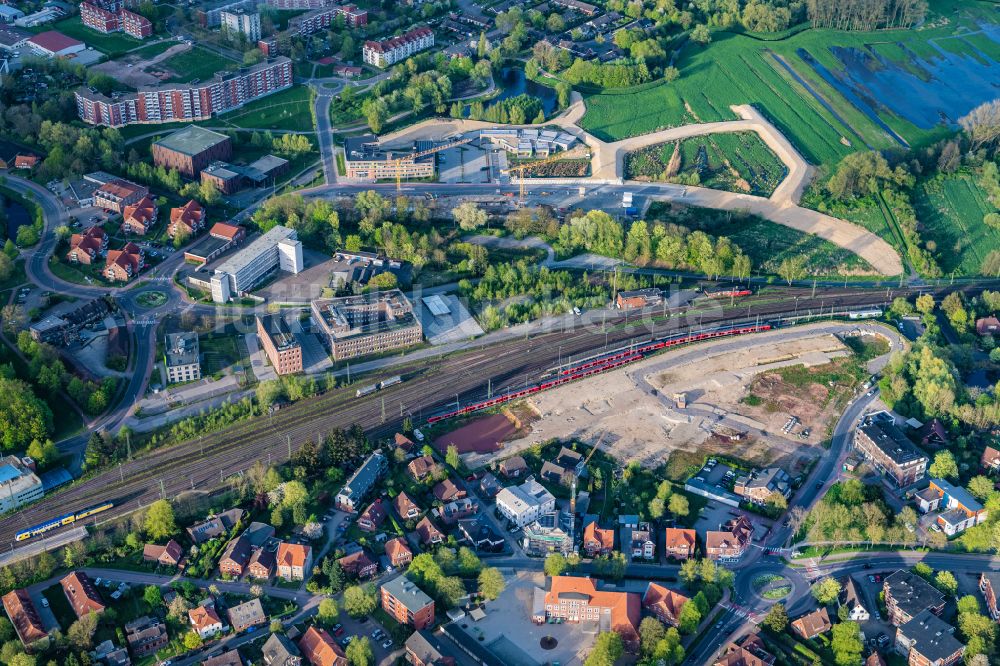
198	63
767	243
114	44
290	109
737	69
220	352
59	605
951	210
153	50
736	162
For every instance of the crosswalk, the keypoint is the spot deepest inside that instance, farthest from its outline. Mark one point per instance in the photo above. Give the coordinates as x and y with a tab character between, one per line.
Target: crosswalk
742	611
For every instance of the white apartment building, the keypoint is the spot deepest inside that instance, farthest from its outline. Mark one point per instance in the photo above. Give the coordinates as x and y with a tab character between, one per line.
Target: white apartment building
18	484
239	21
182	357
278	248
388	52
525	503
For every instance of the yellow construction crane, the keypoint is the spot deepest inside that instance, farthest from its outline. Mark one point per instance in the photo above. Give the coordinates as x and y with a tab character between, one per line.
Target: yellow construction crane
521	168
411	157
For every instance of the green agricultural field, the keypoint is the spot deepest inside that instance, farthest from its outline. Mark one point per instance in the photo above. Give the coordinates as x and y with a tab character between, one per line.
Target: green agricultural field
114	44
767	243
198	63
289	109
738	69
951	210
735	162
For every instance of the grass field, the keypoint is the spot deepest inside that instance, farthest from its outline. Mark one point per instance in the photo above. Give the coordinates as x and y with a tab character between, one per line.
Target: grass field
198	63
114	44
736	69
219	353
153	50
951	209
737	162
767	243
289	109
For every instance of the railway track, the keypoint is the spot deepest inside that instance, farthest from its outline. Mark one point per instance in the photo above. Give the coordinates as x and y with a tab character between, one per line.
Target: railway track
204	464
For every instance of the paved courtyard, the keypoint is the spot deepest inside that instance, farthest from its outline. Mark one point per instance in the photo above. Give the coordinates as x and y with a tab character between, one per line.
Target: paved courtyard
465	164
508	632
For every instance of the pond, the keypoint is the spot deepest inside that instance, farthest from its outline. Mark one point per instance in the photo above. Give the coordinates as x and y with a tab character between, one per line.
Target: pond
514	83
926	91
16	216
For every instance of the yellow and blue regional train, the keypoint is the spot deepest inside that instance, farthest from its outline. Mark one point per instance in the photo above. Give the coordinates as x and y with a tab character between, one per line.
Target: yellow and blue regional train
67	519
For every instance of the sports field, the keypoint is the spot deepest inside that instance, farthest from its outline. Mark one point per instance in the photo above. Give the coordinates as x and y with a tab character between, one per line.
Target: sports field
781	79
198	63
951	210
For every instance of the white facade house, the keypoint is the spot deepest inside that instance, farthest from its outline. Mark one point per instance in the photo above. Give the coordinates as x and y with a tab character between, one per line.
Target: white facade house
278	248
241	22
525	503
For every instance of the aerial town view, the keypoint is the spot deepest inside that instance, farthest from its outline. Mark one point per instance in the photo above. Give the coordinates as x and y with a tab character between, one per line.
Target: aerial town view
500	332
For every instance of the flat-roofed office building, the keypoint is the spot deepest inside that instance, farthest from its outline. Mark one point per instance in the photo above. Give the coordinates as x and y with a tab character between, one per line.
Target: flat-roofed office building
278	248
280	345
370	323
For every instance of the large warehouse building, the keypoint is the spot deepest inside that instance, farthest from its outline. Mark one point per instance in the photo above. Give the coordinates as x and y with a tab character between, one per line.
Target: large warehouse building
279	248
191	149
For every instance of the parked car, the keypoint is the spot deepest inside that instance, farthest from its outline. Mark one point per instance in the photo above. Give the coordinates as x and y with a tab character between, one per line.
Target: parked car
387	644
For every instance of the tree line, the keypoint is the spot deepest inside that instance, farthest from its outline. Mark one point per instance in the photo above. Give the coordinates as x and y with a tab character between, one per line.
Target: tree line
866	14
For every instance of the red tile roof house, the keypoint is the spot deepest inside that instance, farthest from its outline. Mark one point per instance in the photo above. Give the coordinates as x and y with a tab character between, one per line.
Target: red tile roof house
319	648
24	616
235	558
429	533
812	624
664	603
85	247
679	543
988	326
168	556
398	552
597	540
188	219
513	467
139	217
294	561
731	542
403	442
452	512
405	507
82	594
205	621
991	459
26	161
577	599
448	491
372	517
123	265
422	467
358	565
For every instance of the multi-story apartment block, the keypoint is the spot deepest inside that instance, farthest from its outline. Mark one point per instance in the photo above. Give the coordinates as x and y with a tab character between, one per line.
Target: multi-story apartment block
959	509
139	217
182	357
124	264
322	19
115	195
135	25
105	21
927	640
395	49
362	482
370	323
407	604
889	451
82	594
907	595
282	349
241	22
525	503
186	102
294	561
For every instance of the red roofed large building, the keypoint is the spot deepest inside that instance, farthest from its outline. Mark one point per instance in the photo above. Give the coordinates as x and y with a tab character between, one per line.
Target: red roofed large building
576	599
390	51
679	543
664	603
731	542
319	648
124	264
55	44
139	217
115	195
82	594
104	21
597	540
188	219
294	561
86	247
24	616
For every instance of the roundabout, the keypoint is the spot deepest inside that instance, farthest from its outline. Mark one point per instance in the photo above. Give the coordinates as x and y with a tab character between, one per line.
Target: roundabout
772	587
150	299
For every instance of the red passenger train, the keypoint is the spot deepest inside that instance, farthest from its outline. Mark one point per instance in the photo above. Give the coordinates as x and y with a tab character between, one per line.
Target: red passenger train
603	364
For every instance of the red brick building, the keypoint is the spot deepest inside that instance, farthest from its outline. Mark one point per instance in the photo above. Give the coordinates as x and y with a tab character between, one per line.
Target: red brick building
282	349
139	217
406	603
